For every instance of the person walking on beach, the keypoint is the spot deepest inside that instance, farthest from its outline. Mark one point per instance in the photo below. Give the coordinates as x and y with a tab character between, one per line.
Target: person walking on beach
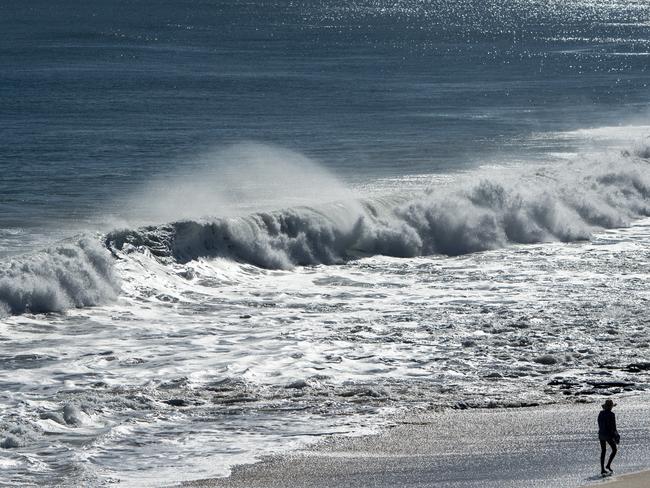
607	434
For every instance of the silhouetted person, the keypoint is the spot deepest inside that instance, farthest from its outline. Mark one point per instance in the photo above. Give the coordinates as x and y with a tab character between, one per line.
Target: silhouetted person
607	434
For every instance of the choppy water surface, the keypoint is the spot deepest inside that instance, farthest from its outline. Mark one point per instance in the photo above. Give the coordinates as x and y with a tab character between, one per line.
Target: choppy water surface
230	228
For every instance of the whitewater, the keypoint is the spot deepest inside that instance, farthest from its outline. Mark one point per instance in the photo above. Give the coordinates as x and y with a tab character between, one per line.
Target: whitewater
231	229
565	202
202	344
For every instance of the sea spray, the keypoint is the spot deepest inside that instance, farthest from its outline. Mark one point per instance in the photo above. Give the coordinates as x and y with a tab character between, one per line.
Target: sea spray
232	181
75	273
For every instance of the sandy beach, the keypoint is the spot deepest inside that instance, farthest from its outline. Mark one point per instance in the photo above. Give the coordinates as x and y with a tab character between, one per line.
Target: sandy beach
546	446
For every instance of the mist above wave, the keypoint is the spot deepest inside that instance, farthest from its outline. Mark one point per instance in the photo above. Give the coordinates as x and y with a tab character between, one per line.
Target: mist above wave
556	203
234	180
73	274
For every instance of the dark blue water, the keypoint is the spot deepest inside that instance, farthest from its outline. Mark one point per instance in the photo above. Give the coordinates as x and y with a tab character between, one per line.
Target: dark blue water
97	98
177	350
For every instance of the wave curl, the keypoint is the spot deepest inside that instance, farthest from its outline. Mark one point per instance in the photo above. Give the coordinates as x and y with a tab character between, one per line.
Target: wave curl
554	204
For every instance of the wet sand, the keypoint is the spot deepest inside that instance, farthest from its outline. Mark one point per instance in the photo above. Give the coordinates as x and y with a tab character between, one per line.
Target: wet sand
549	446
634	480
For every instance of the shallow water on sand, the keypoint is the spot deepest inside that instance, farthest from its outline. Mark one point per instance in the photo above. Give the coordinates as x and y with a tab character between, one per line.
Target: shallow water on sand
539	447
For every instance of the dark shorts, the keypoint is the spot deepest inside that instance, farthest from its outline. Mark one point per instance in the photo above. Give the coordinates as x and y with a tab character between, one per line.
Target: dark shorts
606	438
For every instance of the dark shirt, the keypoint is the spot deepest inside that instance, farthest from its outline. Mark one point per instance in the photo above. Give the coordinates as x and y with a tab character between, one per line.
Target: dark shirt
606	425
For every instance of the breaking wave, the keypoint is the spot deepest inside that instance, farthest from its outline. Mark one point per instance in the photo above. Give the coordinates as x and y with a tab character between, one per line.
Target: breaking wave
558	203
73	274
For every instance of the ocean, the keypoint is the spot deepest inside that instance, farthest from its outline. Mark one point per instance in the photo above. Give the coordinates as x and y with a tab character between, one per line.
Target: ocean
230	228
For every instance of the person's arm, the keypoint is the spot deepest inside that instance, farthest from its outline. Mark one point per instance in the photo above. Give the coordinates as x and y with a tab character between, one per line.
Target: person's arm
617	437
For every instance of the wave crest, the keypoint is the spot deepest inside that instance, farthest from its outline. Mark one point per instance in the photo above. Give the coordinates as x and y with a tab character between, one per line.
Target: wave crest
555	204
72	274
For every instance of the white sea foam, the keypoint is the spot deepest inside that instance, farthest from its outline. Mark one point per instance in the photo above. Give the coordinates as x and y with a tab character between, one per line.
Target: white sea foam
214	359
72	274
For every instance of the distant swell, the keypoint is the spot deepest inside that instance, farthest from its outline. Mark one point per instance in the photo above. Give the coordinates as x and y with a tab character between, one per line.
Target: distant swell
564	203
72	274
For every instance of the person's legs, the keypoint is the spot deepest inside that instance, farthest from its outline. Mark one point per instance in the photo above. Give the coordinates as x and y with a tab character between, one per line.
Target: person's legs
612	444
603	449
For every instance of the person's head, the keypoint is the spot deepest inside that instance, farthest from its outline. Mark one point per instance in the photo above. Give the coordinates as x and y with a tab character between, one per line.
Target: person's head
609	404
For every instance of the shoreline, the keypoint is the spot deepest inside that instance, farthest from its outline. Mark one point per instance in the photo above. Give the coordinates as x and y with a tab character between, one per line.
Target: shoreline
630	480
544	446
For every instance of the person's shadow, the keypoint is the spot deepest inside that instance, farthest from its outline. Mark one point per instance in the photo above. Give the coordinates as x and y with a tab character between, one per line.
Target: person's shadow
598	477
